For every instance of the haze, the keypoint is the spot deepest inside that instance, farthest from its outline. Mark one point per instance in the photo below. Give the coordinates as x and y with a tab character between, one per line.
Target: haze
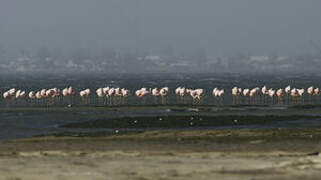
160	36
222	27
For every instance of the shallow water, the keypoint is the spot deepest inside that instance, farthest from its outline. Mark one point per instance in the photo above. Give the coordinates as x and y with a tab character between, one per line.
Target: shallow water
22	123
19	124
137	81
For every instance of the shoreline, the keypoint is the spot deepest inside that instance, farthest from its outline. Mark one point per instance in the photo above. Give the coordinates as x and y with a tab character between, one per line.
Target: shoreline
214	140
290	152
212	154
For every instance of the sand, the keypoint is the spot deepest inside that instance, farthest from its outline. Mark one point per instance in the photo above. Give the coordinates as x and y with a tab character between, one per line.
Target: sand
207	154
136	165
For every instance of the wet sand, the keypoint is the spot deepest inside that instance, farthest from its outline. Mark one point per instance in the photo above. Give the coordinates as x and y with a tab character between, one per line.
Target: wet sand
173	154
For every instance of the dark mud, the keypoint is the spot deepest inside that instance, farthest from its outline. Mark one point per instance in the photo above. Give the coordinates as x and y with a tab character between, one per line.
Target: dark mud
173	122
18	123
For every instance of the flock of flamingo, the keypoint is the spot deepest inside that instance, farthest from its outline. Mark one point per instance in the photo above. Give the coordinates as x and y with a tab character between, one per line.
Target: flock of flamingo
117	96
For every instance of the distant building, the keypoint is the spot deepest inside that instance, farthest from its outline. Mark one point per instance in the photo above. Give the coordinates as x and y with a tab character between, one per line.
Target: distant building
258	59
153	58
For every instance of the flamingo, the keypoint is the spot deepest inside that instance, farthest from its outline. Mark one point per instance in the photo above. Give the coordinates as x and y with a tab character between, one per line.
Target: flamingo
38	96
70	93
193	94
138	93
111	92
221	95
65	93
310	91
265	92
12	92
236	92
200	93
300	94
10	95
316	92
43	92
105	90
21	96
32	96
177	90
118	94
143	93
84	94
287	91
280	95
178	94
271	93
100	95
254	93
218	94
17	96
50	94
42	96
246	94
182	93
164	93
156	94
57	94
215	94
125	94
6	96
197	94
294	94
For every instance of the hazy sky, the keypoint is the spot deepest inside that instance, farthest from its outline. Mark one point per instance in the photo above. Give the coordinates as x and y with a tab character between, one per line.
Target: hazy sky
222	27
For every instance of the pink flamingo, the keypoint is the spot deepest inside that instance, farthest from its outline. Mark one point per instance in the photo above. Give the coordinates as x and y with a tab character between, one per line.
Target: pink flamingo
84	94
246	94
156	94
280	95
164	93
310	91
100	95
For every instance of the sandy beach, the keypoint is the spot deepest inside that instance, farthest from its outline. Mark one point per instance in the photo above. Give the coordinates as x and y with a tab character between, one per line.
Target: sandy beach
206	154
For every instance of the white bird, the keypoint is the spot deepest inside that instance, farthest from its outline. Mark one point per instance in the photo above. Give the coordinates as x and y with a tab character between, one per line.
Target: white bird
316	92
6	95
84	94
32	95
236	92
287	89
99	92
12	92
164	93
310	90
280	95
155	92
